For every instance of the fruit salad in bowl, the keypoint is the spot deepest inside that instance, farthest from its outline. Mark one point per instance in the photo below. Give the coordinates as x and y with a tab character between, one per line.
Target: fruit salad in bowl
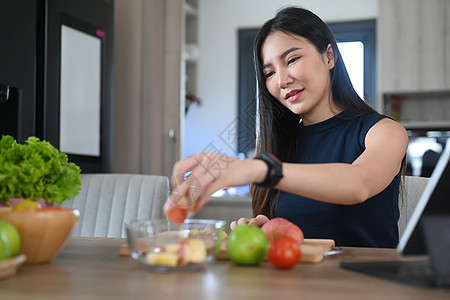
163	246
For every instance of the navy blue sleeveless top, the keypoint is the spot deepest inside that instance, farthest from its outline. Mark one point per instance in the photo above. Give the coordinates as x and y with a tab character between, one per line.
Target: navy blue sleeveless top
369	224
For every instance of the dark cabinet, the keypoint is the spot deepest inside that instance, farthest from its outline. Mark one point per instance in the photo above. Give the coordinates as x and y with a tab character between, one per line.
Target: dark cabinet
19	41
56	76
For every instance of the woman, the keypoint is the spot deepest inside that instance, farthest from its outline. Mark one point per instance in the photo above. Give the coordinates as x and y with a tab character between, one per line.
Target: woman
340	160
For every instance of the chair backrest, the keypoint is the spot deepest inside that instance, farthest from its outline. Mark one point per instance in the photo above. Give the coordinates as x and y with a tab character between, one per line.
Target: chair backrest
106	201
413	190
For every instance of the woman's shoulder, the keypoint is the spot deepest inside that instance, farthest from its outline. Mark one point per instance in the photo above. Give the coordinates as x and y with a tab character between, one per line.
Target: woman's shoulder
374	123
388	129
369	119
362	119
387	123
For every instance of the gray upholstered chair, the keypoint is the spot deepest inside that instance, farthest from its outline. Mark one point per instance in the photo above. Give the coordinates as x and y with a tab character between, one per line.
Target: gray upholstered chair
107	200
413	189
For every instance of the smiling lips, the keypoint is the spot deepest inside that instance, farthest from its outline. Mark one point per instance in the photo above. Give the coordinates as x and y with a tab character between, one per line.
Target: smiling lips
292	96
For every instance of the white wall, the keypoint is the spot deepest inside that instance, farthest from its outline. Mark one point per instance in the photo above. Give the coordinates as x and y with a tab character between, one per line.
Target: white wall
208	125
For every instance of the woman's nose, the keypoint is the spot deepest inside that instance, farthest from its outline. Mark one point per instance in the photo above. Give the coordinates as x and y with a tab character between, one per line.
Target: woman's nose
284	79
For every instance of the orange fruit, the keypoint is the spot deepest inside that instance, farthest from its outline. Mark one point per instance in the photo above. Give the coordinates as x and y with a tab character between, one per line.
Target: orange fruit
26	205
177	214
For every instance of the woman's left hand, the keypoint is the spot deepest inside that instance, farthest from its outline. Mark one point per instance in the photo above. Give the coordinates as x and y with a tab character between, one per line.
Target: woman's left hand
259	221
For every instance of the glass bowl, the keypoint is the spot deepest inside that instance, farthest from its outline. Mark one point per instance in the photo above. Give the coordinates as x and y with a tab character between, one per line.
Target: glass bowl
163	246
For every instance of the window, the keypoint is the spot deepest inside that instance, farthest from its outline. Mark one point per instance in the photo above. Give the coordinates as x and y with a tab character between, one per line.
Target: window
353	56
356	42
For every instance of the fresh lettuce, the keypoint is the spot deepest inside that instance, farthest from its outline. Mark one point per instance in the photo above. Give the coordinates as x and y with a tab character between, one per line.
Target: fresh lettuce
36	170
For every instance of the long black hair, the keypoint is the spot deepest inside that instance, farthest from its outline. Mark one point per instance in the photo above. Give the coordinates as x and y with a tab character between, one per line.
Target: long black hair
277	126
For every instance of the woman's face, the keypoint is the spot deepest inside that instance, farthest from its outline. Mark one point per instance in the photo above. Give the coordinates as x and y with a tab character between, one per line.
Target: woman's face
298	75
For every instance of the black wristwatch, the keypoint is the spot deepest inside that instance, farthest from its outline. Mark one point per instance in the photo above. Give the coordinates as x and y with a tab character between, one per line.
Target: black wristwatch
274	171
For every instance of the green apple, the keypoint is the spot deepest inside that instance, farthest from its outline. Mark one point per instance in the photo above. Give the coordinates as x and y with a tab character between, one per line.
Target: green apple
247	245
9	240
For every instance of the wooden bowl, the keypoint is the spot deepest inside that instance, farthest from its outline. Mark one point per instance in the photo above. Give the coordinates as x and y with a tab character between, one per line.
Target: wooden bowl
43	233
8	267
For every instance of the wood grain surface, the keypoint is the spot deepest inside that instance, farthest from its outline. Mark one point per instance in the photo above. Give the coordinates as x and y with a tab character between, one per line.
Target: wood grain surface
91	268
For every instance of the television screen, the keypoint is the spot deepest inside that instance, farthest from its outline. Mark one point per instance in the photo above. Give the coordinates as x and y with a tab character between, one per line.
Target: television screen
80	89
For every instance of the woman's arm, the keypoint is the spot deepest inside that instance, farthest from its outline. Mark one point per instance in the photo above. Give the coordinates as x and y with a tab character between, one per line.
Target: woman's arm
386	143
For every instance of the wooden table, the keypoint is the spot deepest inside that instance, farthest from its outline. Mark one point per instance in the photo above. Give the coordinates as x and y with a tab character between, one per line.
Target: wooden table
91	268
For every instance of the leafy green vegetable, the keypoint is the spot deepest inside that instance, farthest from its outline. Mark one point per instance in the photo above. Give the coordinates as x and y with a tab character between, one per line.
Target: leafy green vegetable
36	170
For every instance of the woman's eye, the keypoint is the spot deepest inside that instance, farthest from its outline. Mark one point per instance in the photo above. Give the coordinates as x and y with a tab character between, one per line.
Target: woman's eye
268	74
293	60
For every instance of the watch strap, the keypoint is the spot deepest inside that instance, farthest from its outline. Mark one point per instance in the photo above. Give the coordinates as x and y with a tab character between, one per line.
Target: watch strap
274	171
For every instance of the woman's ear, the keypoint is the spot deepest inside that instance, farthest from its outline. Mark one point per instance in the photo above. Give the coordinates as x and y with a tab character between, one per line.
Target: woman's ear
330	57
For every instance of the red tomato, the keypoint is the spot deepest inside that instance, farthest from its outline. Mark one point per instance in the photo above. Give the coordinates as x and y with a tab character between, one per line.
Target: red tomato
284	253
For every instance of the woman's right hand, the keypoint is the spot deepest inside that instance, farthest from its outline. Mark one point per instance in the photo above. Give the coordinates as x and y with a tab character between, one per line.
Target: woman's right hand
210	172
259	221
